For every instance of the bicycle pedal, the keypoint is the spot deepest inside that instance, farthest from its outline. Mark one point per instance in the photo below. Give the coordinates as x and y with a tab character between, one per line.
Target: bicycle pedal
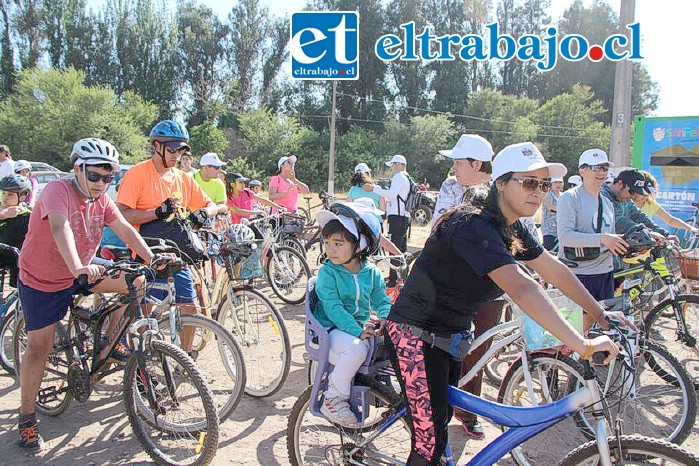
47	395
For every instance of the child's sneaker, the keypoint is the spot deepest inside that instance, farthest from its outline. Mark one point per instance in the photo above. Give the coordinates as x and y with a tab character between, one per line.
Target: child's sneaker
337	410
473	429
29	438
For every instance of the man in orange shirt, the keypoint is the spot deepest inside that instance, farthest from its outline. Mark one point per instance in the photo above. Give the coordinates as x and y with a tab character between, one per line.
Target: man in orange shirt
153	190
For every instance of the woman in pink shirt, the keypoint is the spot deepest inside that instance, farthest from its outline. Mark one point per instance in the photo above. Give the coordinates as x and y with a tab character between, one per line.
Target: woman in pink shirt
240	198
284	188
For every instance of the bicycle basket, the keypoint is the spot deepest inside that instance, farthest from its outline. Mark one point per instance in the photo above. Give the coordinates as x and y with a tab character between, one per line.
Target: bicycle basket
689	264
535	336
244	260
293	224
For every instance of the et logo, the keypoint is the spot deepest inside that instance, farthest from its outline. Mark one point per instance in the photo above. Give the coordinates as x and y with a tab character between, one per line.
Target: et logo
324	45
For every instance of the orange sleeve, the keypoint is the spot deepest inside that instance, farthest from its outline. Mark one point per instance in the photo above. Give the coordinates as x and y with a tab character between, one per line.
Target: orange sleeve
130	188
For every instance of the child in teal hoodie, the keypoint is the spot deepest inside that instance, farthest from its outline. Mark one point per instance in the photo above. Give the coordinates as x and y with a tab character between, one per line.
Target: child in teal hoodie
348	287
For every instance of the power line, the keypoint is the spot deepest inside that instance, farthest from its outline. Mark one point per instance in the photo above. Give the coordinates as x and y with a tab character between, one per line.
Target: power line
439	112
560	136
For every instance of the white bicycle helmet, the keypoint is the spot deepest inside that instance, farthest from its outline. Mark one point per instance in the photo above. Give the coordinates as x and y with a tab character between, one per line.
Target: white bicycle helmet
93	151
239	233
22	165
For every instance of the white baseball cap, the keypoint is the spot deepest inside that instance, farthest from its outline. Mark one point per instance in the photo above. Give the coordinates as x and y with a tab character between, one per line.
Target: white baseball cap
524	157
284	159
362	167
470	146
575	180
610	177
594	157
369	204
211	159
397	159
22	165
557	178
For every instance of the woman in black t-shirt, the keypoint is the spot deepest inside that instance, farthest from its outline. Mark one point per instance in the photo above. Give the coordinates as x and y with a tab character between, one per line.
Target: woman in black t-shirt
469	259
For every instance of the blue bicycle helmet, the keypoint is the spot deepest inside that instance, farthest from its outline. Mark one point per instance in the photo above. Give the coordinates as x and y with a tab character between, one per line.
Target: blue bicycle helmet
169	130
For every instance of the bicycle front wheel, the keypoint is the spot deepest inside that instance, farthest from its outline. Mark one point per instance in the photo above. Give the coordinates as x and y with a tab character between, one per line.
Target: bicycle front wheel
553	376
258	327
631	450
663	327
170	407
218	356
312	439
54	397
7	333
288	274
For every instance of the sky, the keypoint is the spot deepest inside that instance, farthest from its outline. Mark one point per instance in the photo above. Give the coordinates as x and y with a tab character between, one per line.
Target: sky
668	30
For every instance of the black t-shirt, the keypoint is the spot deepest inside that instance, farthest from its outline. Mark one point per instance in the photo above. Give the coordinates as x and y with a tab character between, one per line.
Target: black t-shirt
13	230
450	278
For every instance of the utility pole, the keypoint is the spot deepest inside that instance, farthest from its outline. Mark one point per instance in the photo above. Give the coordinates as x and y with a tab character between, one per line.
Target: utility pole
331	161
621	110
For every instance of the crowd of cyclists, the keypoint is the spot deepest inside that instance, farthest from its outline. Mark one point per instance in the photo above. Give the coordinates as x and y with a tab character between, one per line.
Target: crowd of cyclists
482	235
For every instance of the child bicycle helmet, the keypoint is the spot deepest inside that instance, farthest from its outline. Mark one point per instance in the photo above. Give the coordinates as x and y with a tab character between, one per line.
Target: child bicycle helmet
16	184
22	165
93	151
361	223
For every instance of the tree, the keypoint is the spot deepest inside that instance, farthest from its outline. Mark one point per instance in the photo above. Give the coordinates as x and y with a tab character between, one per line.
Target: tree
7	66
202	43
29	21
569	124
50	110
207	138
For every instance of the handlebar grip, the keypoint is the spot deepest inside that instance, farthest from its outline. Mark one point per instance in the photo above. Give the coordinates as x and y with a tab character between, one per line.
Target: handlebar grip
599	357
82	279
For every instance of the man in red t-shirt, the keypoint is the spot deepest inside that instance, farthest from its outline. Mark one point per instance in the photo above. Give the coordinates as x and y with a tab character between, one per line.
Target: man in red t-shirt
65	230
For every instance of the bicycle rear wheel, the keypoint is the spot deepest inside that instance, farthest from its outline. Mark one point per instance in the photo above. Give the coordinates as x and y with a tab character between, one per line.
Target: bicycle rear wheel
258	327
312	439
170	407
7	332
219	358
54	397
632	450
288	274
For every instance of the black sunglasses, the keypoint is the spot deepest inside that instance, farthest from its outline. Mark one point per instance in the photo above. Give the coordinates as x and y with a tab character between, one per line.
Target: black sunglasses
95	177
529	185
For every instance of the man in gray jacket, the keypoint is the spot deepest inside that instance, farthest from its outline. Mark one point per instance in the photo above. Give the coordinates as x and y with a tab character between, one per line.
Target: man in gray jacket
586	227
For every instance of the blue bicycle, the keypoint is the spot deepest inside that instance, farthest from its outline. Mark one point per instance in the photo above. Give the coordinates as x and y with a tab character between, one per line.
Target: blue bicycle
383	437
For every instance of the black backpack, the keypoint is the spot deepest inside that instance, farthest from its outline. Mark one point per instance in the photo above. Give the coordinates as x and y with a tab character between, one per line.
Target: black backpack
413	199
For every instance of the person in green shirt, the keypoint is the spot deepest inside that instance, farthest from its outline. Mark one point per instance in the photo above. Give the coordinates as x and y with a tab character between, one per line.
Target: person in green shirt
207	178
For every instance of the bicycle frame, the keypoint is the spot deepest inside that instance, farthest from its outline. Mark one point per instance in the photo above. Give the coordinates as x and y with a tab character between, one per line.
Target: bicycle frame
523	423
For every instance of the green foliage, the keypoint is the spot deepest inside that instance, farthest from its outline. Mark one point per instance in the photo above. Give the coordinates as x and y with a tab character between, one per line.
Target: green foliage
241	165
207	138
50	110
267	137
569	125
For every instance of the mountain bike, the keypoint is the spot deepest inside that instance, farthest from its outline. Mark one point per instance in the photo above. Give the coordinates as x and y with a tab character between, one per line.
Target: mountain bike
307	212
8	313
286	269
255	322
383	435
168	403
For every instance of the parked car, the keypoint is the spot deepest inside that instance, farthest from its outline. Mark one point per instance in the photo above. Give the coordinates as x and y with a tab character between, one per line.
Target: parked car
43	177
114	186
43	167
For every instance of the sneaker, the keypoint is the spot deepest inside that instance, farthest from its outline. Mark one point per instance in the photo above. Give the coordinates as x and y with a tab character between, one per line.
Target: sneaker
29	438
473	429
337	410
120	354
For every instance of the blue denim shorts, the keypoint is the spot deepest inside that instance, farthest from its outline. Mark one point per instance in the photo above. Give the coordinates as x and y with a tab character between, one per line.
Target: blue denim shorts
41	308
184	288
